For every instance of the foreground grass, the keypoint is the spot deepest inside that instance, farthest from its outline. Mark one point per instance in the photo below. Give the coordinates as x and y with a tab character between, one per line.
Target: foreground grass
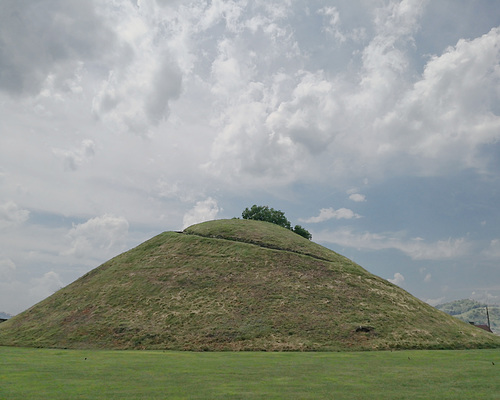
76	374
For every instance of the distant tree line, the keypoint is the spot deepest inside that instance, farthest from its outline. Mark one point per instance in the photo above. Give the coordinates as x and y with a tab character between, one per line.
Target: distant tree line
460	306
265	213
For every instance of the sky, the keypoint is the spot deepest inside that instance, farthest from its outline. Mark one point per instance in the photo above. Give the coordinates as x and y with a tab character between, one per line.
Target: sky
374	124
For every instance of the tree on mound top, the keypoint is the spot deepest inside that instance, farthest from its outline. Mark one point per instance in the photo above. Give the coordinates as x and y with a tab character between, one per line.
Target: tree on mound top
302	232
264	213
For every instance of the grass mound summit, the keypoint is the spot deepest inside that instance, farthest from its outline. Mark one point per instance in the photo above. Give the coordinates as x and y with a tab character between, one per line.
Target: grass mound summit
236	285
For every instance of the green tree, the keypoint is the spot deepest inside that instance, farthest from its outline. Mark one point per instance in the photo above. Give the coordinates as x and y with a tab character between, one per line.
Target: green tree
302	232
265	213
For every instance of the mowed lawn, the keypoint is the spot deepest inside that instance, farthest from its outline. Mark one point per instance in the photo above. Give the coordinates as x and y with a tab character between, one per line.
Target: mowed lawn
77	374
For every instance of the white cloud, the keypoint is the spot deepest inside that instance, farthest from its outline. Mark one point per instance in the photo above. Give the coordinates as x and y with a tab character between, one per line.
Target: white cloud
205	210
385	61
11	214
485	296
99	235
7	269
272	111
334	26
435	302
301	118
17	295
136	95
45	286
358	198
428	278
493	250
415	248
450	113
173	189
334	23
398	280
57	35
328	213
74	158
306	116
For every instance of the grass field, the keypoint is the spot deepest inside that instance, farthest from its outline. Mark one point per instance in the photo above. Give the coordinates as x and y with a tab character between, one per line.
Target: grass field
77	374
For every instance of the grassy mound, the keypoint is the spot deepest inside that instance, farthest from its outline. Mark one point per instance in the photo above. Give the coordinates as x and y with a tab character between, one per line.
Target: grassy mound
236	285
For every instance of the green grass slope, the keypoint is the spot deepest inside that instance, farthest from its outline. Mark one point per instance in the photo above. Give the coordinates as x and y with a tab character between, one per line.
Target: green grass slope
236	285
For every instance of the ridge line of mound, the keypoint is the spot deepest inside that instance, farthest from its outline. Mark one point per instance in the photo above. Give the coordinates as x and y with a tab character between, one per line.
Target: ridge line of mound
257	243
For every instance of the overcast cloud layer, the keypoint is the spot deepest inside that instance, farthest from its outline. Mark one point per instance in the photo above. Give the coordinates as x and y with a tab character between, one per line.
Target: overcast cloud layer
374	124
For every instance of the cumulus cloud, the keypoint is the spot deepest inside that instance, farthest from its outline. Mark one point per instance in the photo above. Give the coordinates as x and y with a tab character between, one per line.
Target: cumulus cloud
163	2
334	24
46	285
7	269
385	117
74	158
449	113
204	210
398	279
170	190
493	249
32	291
136	98
100	235
55	33
326	214
385	62
273	111
301	116
305	118
485	296
11	214
435	302
416	248
358	198
274	114
167	84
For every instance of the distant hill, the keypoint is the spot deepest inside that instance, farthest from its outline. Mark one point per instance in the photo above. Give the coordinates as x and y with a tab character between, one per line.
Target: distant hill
236	285
473	311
